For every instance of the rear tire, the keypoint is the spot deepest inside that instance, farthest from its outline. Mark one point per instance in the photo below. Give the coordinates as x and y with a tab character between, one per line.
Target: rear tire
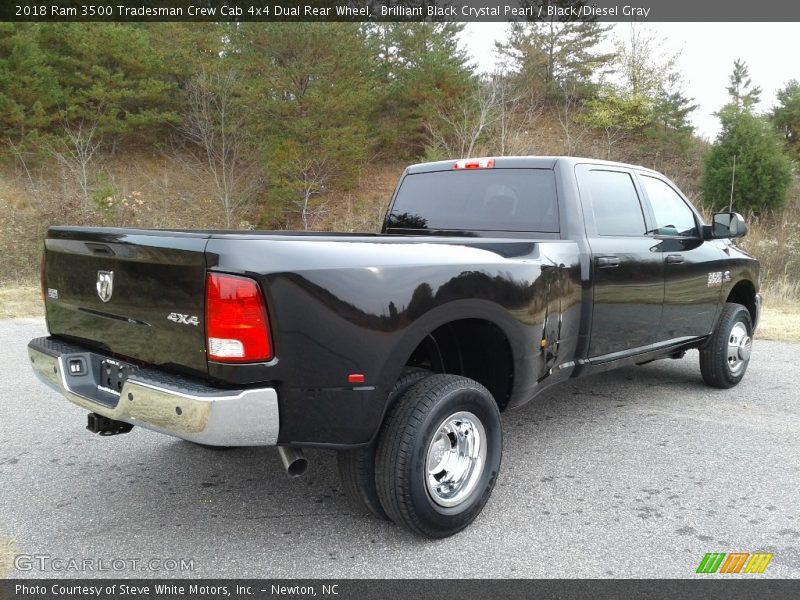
724	359
357	467
439	455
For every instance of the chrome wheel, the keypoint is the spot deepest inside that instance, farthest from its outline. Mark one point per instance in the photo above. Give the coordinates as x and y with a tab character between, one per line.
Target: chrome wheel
455	460
739	347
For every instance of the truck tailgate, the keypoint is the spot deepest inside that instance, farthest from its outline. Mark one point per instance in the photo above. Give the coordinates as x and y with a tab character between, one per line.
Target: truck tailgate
132	294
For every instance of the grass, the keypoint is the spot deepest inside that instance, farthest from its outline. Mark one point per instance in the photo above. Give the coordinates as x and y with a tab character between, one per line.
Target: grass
362	209
20	301
774	239
779	321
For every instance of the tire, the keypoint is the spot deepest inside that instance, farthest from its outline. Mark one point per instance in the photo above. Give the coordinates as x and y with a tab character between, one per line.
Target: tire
357	467
724	359
418	432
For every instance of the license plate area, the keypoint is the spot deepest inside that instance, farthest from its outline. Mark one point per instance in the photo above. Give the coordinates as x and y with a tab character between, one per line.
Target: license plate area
112	375
96	377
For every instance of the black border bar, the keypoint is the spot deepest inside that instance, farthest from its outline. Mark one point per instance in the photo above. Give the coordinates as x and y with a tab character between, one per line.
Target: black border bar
401	10
709	588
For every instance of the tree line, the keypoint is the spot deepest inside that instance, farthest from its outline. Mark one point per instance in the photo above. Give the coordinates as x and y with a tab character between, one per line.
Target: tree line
273	116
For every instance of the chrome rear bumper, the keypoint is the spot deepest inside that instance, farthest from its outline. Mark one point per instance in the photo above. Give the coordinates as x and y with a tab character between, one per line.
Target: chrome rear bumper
161	402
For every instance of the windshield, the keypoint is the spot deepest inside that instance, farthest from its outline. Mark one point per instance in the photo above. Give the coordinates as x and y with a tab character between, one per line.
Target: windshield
477	200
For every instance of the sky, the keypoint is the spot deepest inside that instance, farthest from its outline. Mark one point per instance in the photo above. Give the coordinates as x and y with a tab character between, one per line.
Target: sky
708	51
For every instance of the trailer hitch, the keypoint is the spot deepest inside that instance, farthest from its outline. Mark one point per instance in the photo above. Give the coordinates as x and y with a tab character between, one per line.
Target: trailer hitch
105	426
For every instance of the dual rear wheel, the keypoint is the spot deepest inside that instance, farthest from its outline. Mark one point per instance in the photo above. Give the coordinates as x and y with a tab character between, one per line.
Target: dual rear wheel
436	459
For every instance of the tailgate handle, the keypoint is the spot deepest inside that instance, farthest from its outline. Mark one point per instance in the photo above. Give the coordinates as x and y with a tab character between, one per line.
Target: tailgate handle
100	249
607	262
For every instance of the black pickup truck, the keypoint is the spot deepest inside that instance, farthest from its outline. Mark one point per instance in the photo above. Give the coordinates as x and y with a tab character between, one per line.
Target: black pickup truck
491	280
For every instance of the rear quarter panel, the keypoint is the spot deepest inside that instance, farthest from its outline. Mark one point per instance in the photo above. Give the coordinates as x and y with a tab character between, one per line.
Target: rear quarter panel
362	305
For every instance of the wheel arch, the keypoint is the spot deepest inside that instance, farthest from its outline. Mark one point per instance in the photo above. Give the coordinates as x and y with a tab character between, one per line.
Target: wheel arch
465	326
744	292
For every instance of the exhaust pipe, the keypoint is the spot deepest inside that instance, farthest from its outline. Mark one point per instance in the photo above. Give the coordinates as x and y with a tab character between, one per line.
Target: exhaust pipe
294	461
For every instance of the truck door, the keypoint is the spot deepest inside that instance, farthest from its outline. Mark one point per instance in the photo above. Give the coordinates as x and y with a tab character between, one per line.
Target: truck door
627	271
693	269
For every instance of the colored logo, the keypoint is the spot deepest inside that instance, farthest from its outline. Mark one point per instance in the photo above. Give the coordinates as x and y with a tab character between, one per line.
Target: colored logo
735	562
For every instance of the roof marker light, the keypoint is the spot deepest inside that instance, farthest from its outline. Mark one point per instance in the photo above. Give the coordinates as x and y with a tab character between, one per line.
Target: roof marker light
473	163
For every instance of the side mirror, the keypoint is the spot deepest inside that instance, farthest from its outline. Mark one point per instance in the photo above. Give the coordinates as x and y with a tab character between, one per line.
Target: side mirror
725	225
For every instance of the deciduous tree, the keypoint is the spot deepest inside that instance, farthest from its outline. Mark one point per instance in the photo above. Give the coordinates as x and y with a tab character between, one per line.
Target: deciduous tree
214	124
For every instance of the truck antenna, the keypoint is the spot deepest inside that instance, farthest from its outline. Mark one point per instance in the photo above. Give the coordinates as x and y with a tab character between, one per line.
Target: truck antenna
733	180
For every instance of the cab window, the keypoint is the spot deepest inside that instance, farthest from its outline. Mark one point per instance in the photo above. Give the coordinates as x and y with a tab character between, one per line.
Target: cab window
478	200
615	202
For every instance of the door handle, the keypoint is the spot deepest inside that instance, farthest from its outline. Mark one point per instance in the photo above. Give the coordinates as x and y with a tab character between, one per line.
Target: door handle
607	262
674	259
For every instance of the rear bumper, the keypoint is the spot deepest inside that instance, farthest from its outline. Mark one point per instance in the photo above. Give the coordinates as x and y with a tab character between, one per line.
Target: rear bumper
162	402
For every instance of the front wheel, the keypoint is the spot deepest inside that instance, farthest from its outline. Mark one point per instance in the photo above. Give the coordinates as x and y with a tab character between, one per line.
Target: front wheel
724	359
438	455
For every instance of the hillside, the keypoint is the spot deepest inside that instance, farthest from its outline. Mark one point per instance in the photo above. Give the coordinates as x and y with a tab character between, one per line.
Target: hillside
139	189
308	125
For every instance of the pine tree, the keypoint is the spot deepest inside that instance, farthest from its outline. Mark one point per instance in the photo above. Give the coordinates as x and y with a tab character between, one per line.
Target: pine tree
420	68
185	50
786	115
549	57
309	96
30	94
671	111
763	173
53	76
743	93
111	76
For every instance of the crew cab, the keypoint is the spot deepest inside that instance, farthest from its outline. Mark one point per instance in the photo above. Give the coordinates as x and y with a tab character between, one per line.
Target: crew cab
491	280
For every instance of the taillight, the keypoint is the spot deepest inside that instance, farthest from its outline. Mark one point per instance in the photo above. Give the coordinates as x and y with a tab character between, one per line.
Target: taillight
237	328
477	163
